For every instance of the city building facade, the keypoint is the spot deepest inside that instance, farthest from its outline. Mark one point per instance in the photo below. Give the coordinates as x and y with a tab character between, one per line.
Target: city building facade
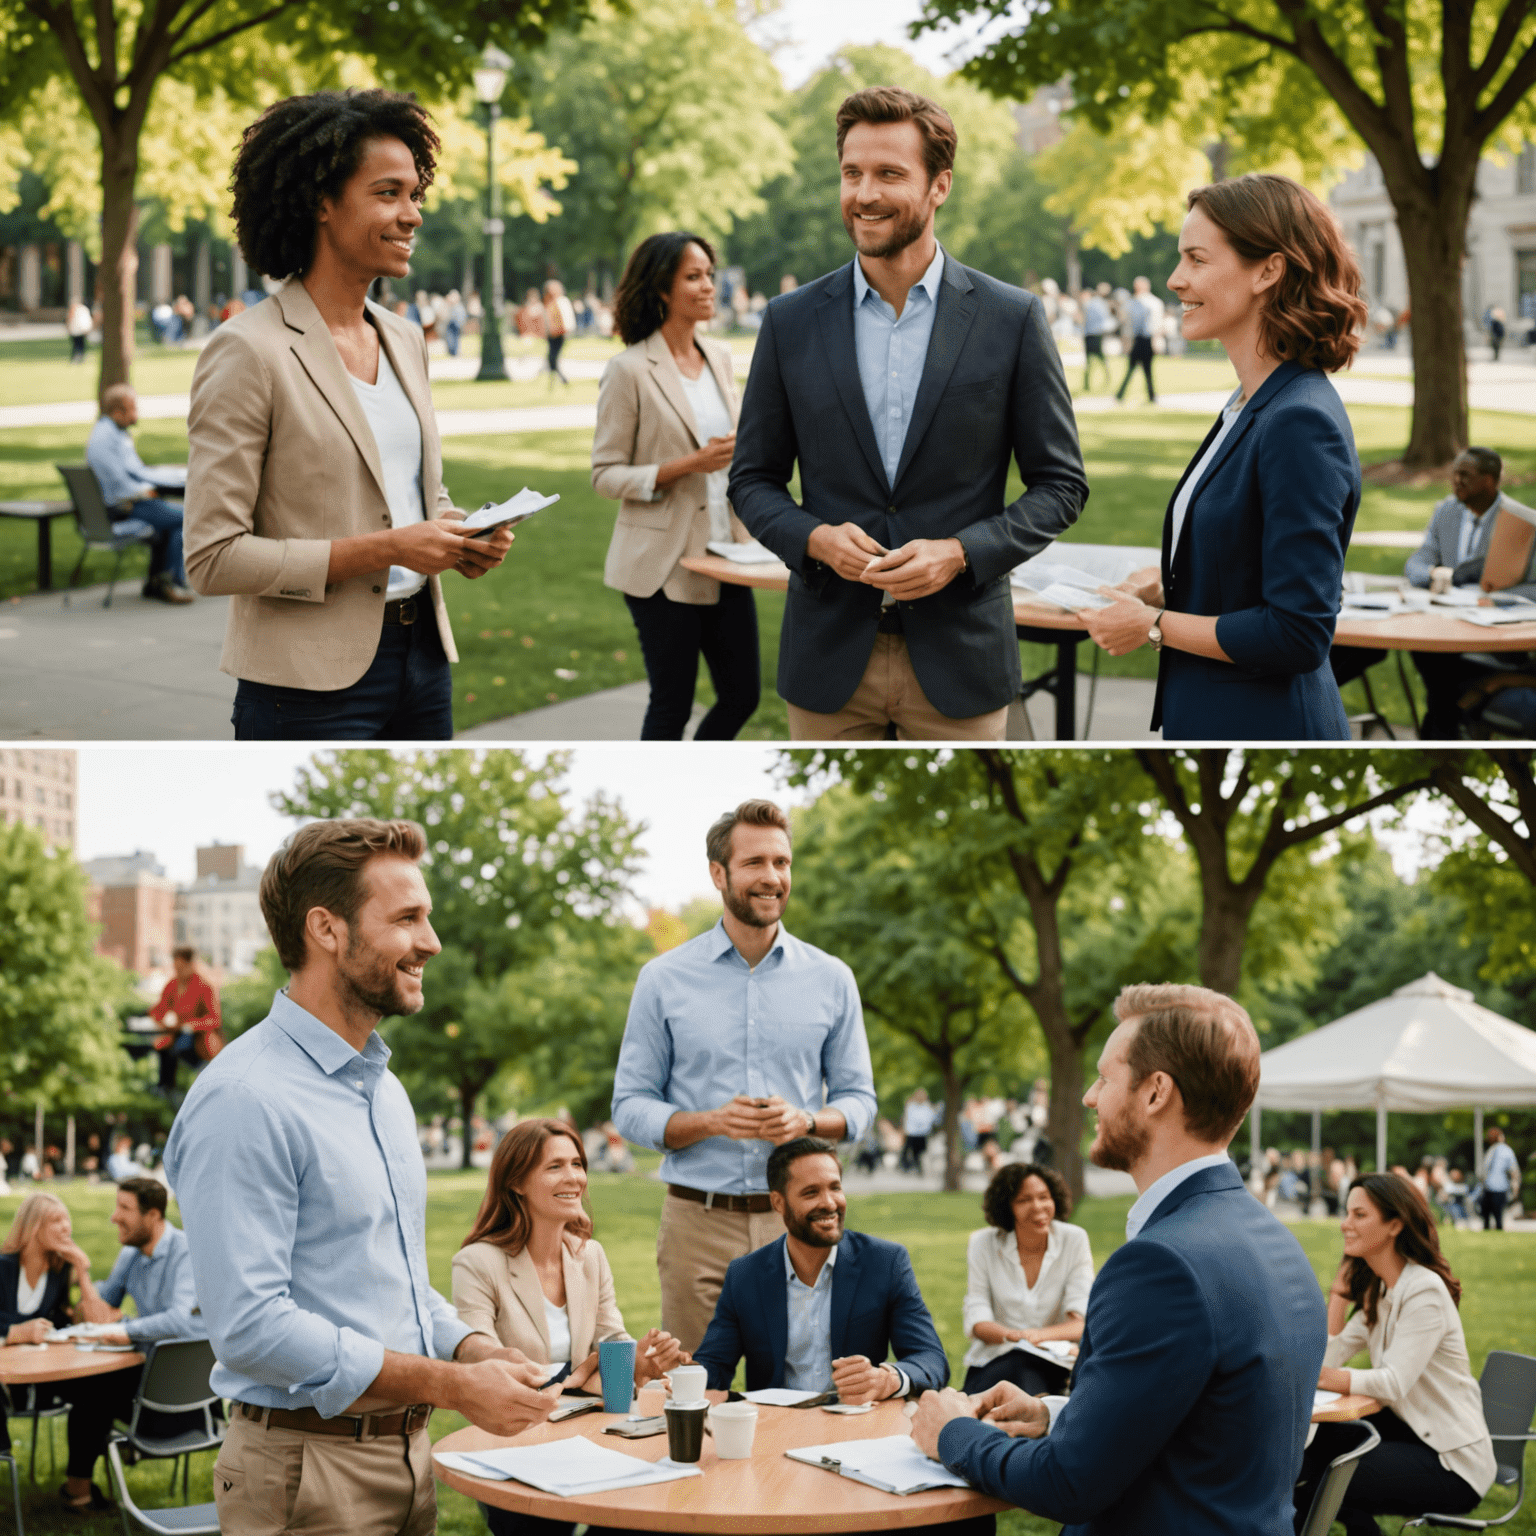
38	788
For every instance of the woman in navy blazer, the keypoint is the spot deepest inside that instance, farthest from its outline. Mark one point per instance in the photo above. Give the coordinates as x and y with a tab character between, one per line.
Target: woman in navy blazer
1254	538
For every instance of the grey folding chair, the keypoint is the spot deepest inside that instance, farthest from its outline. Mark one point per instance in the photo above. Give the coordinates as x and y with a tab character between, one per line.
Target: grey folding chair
1330	1491
1509	1402
37	1410
175	1380
97	530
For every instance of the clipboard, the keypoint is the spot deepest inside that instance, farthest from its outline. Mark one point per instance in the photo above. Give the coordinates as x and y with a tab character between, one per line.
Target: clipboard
893	1465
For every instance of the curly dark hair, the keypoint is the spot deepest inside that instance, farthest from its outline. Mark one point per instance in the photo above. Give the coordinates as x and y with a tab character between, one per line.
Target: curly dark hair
640	305
306	148
997	1203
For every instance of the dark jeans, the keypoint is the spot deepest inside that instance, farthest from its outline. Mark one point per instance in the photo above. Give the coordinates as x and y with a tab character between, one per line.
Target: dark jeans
77	350
1351	661
405	695
165	552
1093	347
912	1150
182	1049
556	344
98	1401
1402	1476
671	637
1494	1201
1141	357
1024	1371
1446	677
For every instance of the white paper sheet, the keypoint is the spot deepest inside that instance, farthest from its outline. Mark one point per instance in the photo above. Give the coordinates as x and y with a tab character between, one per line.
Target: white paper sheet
1057	1351
780	1397
1488	617
515	509
1073	599
1321	1399
893	1464
743	554
1457	597
566	1468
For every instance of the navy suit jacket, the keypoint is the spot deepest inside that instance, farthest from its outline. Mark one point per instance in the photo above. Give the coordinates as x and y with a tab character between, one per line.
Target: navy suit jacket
876	1309
992	389
55	1305
1193	1388
1262	546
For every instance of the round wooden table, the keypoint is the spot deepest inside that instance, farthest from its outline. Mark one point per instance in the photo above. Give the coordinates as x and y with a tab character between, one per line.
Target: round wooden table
1349	1407
23	1365
766	1493
1438	629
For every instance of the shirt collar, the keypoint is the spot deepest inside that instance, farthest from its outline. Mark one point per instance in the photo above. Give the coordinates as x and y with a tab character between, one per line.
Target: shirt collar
789	1268
928	282
720	942
318	1041
1156	1193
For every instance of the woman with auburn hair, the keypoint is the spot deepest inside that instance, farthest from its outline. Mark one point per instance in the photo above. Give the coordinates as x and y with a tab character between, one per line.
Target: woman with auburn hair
1395	1296
1243	611
531	1273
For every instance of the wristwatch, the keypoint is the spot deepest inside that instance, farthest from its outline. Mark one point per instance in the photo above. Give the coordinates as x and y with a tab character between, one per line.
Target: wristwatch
1155	634
810	1122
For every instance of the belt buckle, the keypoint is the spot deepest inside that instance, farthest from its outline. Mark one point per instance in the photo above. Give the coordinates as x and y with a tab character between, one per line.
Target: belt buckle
407	610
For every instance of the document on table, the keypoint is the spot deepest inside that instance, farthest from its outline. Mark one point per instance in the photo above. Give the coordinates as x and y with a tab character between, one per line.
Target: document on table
568	1468
1488	617
1322	1399
516	509
786	1397
742	554
1057	1351
893	1464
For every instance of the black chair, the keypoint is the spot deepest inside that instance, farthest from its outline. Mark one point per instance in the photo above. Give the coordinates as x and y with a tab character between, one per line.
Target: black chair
1330	1491
97	530
175	1380
1509	1401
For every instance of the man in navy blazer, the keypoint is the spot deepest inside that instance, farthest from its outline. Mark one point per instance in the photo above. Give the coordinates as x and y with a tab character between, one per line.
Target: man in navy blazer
903	384
820	1308
1192	1394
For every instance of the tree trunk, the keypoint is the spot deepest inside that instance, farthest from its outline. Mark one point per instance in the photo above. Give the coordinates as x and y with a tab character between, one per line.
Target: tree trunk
1225	912
468	1097
119	253
954	1147
1064	1127
1434	243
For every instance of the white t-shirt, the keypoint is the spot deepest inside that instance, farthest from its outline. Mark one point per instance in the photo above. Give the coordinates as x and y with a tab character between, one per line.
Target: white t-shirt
713	419
29	1297
1229	414
558	1321
392	419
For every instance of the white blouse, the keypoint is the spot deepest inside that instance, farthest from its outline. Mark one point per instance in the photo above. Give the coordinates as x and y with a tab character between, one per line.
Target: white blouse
712	417
397	434
30	1297
1229	414
557	1320
996	1290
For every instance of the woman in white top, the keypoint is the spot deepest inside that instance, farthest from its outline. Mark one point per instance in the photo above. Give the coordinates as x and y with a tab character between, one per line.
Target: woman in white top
531	1274
1029	1277
666	430
1435	1454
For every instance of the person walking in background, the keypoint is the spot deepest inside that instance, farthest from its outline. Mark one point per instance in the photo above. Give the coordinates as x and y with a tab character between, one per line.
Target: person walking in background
454	318
189	1008
666	429
1143	317
79	326
559	321
1097	324
529	318
902	385
1243	614
917	1118
741	1039
1501	1179
316	498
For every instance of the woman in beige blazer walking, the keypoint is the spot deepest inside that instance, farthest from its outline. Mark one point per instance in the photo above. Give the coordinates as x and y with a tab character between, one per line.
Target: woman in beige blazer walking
531	1274
1435	1453
313	450
666	428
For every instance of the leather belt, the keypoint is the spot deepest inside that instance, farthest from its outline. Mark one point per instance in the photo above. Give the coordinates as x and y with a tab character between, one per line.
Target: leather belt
890	622
350	1426
401	611
753	1205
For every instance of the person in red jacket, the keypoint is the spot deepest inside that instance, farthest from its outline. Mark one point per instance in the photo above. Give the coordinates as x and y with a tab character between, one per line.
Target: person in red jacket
189	1008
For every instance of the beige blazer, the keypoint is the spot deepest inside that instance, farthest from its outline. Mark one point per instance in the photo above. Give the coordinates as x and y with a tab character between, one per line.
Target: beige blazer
644	420
281	461
1420	1370
498	1294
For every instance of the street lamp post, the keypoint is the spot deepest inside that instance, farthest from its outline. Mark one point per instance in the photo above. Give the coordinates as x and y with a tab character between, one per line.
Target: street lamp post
490	79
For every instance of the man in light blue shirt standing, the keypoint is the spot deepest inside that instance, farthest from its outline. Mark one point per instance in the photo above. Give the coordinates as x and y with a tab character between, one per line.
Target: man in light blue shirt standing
128	491
296	1166
737	1041
1501	1179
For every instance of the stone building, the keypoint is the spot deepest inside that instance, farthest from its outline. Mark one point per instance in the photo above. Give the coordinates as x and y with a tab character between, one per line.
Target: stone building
219	914
38	788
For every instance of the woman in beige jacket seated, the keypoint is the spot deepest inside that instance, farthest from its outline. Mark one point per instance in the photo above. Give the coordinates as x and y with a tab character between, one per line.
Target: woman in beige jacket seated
1435	1454
531	1274
666	429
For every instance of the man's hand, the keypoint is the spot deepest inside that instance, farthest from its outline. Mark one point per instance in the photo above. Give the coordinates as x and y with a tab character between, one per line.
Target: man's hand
843	546
920	567
93	1309
782	1122
934	1411
743	1118
440	545
117	1336
475	1347
491	1396
656	1354
857	1381
1122	627
1014	1411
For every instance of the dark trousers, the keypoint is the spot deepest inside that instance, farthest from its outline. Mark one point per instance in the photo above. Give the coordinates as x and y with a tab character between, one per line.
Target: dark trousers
556	344
165	552
1351	661
1402	1476
672	636
503	1522
912	1150
1024	1371
1447	676
182	1049
1093	347
405	695
1494	1201
77	350
98	1402
1141	357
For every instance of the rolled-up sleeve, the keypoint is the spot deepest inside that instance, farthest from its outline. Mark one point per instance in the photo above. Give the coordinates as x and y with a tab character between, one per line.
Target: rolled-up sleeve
845	1062
238	1187
449	1330
640	1106
115	1286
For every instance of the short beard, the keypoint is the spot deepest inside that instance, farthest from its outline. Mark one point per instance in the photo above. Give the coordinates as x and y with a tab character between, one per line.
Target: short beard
740	907
800	1228
374	987
1120	1145
902	233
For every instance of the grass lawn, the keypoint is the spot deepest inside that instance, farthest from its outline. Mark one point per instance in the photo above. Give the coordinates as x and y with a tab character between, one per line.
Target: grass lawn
1498	1271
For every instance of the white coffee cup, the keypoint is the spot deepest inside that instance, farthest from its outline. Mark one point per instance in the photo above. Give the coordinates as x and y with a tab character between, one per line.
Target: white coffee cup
688	1383
733	1426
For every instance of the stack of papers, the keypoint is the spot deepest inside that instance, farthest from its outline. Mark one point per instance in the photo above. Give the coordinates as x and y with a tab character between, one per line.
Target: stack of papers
568	1468
82	1331
1487	617
516	509
1067	586
1057	1351
785	1397
1321	1399
893	1464
743	554
1457	597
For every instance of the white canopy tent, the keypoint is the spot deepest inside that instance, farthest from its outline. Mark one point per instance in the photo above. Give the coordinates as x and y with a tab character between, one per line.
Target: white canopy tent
1428	1047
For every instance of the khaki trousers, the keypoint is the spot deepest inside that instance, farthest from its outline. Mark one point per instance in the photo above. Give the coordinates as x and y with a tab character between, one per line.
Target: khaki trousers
271	1481
694	1247
889	693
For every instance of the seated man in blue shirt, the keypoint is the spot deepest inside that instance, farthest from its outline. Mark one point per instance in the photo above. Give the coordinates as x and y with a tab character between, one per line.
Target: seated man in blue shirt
155	1269
128	492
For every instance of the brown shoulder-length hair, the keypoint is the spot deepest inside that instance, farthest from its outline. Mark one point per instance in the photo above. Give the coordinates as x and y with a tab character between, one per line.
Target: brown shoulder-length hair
997	1203
503	1219
1419	1242
1314	314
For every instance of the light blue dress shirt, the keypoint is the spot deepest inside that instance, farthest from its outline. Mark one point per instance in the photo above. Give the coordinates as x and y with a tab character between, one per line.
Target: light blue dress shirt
1154	1195
161	1286
1497	1167
704	1026
891	354
808	1354
301	1183
116	463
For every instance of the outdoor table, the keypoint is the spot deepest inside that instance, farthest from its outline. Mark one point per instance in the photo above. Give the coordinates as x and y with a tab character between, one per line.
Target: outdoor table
767	1492
24	1365
43	514
1350	1406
